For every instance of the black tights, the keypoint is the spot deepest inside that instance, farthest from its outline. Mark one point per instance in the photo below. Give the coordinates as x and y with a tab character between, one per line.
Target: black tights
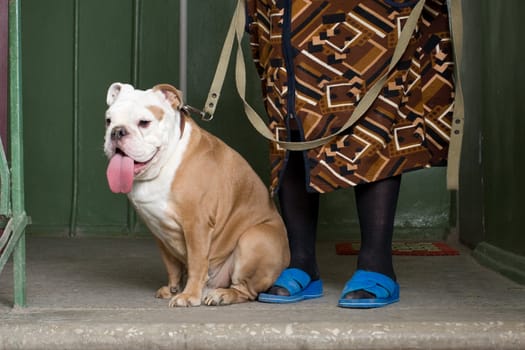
300	210
376	206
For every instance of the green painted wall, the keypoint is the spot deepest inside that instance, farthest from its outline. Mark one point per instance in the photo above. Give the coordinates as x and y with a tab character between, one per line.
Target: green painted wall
492	189
470	195
47	64
491	195
64	102
504	125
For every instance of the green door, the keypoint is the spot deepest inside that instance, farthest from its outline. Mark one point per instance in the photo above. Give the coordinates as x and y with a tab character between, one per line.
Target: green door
73	50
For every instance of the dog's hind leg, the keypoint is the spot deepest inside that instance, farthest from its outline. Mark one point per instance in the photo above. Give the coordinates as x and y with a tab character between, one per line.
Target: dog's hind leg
260	256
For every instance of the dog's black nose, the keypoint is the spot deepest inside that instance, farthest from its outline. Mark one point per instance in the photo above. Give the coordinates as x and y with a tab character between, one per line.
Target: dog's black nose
118	132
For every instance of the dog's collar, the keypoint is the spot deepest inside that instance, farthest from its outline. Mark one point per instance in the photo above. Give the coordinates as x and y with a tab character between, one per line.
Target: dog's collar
204	115
182	122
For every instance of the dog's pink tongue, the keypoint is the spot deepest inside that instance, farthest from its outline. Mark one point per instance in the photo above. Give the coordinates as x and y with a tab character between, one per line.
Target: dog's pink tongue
120	174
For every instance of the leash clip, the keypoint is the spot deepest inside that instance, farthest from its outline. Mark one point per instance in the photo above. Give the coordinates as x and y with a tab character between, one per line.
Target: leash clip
192	110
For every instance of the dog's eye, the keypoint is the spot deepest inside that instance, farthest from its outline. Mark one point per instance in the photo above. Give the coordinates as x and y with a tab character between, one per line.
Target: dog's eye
144	123
108	121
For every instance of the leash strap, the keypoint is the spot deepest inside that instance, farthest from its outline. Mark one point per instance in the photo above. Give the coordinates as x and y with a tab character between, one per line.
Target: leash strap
237	29
456	135
222	66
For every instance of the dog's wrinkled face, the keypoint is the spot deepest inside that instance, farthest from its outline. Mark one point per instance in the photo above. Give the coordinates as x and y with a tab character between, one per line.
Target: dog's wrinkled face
139	126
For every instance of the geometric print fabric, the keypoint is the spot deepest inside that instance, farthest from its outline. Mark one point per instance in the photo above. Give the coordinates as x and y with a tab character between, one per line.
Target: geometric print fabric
316	60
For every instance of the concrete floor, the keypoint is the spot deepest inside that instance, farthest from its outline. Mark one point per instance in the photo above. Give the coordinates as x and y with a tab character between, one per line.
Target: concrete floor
97	293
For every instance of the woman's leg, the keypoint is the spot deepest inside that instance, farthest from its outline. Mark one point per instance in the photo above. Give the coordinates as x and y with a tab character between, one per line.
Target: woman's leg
376	208
299	210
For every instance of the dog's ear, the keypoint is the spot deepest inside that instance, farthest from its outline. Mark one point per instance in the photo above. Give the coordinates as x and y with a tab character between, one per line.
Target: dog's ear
116	90
172	95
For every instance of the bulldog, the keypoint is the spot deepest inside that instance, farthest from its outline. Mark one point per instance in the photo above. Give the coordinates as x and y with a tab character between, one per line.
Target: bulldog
220	235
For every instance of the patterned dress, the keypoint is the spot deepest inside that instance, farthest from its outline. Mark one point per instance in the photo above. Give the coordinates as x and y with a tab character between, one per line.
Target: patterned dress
317	58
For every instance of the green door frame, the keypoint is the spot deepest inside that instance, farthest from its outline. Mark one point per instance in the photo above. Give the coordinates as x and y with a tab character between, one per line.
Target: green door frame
12	240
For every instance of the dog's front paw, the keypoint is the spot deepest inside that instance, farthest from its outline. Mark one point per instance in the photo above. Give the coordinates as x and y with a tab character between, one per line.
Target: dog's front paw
184	299
166	292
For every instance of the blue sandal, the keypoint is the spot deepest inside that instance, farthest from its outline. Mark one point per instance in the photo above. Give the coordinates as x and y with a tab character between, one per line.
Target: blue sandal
383	287
298	283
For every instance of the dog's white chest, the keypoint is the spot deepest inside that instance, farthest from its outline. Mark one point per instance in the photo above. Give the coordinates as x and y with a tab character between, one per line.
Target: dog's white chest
153	205
153	201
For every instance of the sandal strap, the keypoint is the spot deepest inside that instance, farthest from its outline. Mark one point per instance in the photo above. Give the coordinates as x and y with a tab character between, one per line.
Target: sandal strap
293	280
376	283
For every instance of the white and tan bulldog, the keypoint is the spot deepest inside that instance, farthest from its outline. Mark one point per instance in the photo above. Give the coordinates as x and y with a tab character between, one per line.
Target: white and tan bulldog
210	213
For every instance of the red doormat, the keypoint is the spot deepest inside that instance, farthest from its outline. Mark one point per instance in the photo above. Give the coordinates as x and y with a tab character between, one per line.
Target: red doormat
402	248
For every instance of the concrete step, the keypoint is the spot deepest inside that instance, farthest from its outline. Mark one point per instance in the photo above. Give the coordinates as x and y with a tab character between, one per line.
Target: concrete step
97	293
